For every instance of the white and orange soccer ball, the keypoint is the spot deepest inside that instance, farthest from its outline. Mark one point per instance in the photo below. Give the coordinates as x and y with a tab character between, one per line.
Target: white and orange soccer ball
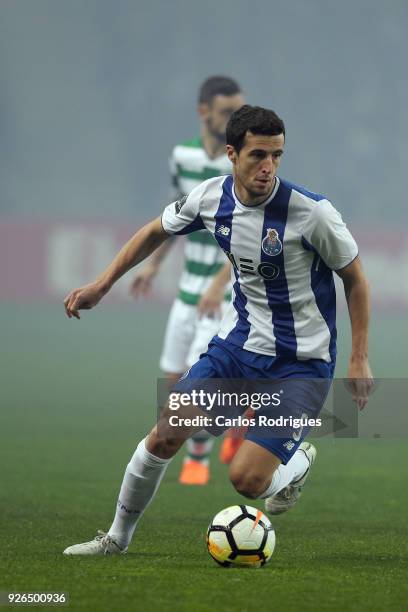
241	536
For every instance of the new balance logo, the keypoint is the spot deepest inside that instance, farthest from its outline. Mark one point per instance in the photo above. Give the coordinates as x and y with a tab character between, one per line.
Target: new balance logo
223	230
289	445
127	510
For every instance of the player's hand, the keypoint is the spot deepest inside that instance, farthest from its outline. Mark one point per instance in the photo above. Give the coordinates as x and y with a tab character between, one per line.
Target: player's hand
361	381
142	282
83	298
210	302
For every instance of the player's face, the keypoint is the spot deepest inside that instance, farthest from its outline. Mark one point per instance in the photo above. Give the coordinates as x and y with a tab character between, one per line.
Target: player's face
216	114
256	164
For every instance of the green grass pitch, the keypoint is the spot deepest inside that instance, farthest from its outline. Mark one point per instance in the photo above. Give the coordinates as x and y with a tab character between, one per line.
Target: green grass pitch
76	399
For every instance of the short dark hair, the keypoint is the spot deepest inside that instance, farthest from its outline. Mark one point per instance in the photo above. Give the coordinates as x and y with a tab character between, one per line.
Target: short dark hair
254	119
217	86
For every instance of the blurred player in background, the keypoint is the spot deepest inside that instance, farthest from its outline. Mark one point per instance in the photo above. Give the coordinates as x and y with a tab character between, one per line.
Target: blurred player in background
196	313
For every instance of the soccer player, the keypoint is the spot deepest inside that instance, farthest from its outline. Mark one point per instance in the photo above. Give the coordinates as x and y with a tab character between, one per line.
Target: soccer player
284	243
195	314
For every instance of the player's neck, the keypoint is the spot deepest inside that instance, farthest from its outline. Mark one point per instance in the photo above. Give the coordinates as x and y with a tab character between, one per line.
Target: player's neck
212	145
247	197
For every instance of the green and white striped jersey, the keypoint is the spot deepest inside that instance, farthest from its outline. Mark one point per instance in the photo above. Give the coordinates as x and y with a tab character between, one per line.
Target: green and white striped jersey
203	258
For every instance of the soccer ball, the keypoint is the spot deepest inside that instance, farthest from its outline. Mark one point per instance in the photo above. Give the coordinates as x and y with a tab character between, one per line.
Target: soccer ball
241	536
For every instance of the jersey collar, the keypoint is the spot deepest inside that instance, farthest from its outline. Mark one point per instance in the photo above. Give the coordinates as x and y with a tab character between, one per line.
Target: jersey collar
261	204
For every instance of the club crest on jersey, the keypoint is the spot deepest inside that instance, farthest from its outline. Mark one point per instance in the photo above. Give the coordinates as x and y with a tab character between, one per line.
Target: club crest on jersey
271	245
223	230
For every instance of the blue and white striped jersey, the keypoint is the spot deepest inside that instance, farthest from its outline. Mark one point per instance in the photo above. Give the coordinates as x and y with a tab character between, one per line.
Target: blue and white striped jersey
283	253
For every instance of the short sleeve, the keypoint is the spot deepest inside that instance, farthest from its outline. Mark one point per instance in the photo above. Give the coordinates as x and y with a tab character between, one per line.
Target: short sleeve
183	216
326	232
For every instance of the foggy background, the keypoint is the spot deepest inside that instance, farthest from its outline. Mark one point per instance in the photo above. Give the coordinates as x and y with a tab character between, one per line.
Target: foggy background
95	93
93	96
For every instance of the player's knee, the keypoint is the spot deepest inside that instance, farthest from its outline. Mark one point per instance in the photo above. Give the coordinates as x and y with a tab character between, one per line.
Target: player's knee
249	485
164	446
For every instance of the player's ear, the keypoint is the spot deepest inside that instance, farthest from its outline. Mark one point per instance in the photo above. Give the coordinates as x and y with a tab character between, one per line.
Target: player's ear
232	154
203	110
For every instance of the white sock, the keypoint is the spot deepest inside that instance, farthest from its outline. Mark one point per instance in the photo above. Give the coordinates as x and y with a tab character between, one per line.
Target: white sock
285	474
199	447
141	480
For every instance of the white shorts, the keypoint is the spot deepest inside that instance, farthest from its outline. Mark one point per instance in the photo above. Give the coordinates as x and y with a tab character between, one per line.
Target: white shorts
186	337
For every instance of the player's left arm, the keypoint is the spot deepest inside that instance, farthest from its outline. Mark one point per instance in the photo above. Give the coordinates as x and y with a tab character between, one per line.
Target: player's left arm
328	235
357	292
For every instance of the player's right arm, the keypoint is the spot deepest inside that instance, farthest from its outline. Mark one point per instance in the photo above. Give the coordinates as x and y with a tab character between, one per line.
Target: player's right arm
181	217
140	246
143	279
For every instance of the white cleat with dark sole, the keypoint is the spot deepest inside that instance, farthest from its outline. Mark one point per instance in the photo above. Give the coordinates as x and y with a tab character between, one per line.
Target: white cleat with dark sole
103	544
287	498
